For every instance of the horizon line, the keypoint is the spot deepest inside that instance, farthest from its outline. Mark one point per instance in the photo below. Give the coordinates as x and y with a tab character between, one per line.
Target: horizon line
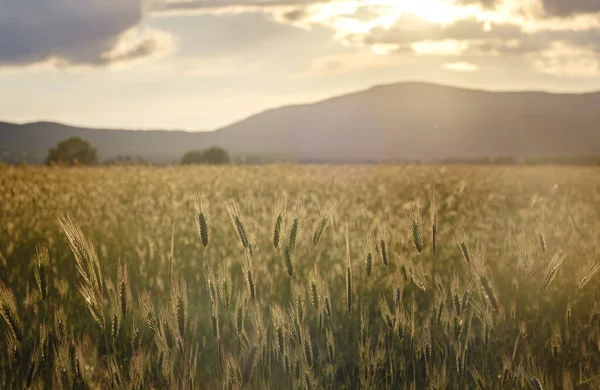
348	93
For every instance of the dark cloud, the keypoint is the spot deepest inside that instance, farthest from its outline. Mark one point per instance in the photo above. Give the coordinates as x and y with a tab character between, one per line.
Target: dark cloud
294	15
484	3
229	5
78	32
551	7
571	7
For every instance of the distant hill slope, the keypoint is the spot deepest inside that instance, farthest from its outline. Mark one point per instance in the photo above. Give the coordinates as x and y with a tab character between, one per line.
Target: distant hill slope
36	138
391	122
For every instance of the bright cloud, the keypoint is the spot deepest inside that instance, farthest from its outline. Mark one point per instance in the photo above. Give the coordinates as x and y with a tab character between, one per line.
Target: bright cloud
565	59
350	62
432	27
449	47
461	67
384	48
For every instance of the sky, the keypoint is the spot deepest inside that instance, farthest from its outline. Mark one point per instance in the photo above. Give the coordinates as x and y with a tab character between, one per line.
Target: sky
202	64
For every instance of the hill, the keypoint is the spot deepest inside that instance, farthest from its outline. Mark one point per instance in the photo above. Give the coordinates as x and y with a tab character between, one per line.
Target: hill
35	139
390	122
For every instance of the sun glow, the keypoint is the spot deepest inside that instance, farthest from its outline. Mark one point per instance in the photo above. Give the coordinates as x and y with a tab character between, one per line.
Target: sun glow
359	17
434	11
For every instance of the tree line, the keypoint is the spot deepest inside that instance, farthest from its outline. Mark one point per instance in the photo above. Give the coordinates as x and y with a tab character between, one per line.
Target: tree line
76	151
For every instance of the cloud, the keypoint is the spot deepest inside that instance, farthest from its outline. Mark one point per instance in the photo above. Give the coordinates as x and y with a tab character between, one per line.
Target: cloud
571	7
461	67
217	67
549	7
169	7
139	43
539	31
447	47
410	28
484	3
107	32
350	62
493	32
384	48
565	59
76	32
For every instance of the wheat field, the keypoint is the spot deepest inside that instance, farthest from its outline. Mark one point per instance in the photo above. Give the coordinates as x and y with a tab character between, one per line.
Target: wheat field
275	277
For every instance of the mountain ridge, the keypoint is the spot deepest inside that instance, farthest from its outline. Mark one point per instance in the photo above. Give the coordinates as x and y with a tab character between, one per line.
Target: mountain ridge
398	121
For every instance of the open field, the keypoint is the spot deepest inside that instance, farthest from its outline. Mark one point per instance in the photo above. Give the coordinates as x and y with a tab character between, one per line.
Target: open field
121	278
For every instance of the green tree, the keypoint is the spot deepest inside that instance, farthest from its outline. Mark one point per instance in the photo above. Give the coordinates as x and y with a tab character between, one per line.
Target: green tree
193	157
216	155
72	151
213	155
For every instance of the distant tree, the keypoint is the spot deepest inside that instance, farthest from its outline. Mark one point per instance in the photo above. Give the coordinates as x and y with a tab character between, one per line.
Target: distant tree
216	155
213	155
72	151
193	157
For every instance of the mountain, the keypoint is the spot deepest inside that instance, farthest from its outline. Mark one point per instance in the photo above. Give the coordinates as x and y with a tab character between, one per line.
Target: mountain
389	122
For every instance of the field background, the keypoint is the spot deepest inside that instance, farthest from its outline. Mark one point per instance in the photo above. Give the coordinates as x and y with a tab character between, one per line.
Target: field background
453	333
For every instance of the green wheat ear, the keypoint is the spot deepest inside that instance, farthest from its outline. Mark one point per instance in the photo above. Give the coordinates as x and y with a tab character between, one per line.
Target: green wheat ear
383	252
179	305
434	220
225	291
326	213
288	257
280	211
414	220
248	269
42	269
369	263
417	236
293	234
236	219
277	231
123	285
369	255
320	229
202	218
